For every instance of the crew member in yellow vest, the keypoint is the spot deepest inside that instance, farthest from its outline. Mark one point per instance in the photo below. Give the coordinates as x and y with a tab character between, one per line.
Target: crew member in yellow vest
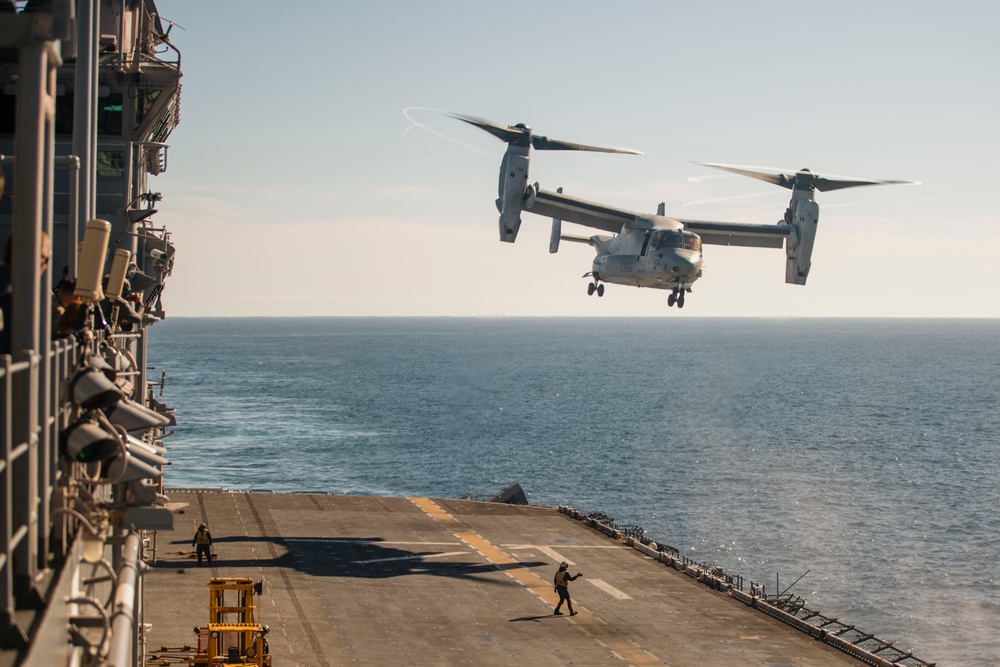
562	580
203	540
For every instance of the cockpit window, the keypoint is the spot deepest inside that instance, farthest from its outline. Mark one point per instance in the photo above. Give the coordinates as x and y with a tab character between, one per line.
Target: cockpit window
692	241
667	240
670	239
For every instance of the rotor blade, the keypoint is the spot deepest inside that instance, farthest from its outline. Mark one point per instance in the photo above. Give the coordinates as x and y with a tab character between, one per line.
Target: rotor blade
789	178
827	183
778	178
517	135
545	144
507	134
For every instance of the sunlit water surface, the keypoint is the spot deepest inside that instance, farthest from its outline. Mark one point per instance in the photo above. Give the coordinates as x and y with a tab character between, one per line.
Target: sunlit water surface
865	452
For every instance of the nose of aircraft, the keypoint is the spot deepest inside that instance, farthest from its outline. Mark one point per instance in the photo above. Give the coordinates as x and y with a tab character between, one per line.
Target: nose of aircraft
685	265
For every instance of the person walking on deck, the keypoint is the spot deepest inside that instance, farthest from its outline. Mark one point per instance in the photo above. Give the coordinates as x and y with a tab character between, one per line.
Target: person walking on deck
203	540
562	580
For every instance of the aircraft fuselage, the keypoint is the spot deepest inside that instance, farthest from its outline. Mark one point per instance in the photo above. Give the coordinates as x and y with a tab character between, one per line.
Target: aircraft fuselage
661	255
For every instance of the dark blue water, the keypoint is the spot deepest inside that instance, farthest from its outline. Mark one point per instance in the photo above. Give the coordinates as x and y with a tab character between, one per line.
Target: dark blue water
865	452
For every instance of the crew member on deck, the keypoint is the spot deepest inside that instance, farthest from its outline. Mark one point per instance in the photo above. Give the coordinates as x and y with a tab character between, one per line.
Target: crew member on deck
203	540
562	580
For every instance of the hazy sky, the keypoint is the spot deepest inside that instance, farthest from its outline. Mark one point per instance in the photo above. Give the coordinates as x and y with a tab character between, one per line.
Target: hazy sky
296	185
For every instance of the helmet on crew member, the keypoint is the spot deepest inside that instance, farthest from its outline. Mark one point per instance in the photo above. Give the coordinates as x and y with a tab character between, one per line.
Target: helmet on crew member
563	565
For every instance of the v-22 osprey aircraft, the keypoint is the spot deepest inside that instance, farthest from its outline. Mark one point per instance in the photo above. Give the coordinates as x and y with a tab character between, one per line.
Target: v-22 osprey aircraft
646	250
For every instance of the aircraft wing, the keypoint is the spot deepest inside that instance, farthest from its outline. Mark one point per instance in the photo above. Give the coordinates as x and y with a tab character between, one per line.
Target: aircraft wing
738	234
582	212
610	219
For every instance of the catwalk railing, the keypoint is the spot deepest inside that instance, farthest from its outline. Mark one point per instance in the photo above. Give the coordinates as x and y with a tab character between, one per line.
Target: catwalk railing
29	470
789	609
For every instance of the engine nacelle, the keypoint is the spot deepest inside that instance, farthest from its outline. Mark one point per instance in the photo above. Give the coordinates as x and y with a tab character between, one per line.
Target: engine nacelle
513	184
803	217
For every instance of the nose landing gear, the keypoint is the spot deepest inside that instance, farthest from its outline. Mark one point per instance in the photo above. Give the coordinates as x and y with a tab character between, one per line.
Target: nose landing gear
676	297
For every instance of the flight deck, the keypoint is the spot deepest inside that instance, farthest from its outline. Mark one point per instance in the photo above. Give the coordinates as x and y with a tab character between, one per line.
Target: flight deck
418	581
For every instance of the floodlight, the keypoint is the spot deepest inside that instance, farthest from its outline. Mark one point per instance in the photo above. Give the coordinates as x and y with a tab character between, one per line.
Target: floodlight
91	389
159	450
128	469
145	455
85	441
99	363
133	416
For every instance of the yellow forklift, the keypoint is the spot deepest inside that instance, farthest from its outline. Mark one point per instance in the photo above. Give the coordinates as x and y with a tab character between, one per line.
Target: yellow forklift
233	635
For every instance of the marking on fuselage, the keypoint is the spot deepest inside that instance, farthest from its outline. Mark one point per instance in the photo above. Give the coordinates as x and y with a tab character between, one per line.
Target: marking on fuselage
609	589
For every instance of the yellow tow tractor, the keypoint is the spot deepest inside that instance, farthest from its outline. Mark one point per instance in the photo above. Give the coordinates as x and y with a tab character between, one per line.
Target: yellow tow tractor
233	635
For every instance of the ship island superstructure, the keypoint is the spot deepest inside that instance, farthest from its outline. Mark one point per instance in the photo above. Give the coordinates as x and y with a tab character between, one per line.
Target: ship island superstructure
89	93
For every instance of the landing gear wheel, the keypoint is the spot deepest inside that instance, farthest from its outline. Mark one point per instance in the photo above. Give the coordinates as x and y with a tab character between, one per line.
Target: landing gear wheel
600	290
680	300
591	288
671	300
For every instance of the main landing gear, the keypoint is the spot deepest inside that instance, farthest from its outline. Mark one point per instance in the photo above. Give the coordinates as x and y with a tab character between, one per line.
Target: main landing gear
595	286
676	297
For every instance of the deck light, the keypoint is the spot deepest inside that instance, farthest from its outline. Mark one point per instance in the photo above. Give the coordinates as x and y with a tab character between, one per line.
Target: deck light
146	456
135	443
129	469
86	442
133	416
91	390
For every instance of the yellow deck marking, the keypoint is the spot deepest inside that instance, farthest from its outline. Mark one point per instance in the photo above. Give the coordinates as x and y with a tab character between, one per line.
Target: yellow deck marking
625	650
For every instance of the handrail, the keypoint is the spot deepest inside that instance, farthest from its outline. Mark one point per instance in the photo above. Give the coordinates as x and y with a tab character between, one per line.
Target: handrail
123	621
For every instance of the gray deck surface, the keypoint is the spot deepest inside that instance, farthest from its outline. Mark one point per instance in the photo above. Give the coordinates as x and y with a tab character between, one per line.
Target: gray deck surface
397	581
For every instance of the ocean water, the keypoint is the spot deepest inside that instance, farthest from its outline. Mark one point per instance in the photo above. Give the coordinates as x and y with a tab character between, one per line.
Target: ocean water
864	452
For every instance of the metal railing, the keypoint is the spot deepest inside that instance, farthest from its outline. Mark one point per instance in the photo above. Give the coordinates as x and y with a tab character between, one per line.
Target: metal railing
29	472
787	608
